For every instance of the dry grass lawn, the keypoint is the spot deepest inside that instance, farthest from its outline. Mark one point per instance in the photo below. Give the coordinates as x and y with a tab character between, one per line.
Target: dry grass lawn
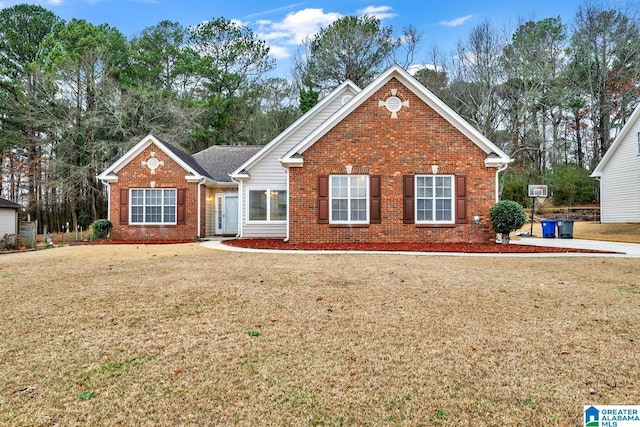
184	335
619	232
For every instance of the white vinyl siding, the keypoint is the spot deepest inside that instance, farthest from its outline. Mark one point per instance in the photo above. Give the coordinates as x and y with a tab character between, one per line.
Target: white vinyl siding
7	221
620	182
269	172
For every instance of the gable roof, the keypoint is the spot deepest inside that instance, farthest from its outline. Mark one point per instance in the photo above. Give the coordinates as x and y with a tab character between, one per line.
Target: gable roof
221	160
341	90
495	156
5	203
635	116
194	171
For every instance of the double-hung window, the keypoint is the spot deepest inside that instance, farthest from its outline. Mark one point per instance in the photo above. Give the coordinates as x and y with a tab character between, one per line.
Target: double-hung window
434	199
349	199
153	206
267	205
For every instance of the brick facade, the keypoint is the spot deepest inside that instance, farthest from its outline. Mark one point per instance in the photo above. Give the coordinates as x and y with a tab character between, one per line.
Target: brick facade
168	175
374	143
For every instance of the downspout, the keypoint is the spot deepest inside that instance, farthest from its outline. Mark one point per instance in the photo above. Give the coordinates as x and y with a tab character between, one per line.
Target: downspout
240	207
108	200
200	183
286	239
501	168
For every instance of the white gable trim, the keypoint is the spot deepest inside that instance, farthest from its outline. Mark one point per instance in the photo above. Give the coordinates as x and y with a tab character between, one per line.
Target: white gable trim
241	172
599	169
110	174
498	157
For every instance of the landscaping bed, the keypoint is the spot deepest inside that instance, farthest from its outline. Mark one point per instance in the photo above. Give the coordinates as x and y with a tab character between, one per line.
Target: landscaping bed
401	247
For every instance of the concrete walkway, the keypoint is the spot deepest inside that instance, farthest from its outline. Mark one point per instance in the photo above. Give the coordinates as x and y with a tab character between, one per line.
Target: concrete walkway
628	249
624	250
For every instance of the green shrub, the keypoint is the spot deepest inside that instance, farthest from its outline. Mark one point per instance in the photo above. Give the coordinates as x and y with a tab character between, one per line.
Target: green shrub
571	185
101	228
507	216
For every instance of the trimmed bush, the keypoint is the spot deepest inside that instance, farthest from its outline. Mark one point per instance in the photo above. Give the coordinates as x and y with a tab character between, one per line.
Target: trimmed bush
507	216
101	228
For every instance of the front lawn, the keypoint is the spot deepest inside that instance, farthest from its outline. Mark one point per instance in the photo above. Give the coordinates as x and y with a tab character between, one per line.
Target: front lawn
184	335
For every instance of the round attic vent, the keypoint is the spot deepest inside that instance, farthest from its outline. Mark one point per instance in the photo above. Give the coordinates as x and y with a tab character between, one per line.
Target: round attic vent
393	104
346	99
153	163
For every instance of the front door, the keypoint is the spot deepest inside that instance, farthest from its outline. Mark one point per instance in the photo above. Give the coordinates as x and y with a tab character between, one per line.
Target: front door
227	213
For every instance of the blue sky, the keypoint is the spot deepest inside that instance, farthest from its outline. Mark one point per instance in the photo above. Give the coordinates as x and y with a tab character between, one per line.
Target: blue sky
284	24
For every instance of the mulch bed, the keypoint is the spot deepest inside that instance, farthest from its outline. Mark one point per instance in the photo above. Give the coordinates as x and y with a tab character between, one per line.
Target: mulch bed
403	247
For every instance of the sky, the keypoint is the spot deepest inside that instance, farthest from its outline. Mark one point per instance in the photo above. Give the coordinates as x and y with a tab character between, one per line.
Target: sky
285	24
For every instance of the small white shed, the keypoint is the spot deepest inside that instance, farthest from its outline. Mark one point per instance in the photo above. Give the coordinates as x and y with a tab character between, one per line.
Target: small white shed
8	217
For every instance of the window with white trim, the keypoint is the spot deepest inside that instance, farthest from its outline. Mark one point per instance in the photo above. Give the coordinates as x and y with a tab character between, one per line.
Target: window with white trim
349	199
638	144
267	205
152	206
434	199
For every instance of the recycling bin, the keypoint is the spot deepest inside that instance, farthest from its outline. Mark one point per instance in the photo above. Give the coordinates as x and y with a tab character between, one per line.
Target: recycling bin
548	228
565	228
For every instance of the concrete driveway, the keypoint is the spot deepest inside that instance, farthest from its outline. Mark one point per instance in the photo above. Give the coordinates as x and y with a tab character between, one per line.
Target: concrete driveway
629	249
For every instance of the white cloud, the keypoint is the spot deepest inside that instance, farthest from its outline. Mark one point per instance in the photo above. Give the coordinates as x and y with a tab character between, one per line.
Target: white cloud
457	21
279	52
380	12
417	67
304	23
294	28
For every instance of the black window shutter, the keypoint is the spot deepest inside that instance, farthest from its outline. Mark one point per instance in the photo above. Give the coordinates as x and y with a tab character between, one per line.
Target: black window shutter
375	209
124	206
408	185
181	206
323	199
461	199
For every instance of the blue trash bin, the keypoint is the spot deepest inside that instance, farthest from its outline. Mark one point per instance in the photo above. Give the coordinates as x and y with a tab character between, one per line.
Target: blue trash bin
548	228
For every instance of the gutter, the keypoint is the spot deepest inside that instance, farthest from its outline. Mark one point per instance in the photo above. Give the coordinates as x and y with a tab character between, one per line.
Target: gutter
501	168
200	183
240	200
286	169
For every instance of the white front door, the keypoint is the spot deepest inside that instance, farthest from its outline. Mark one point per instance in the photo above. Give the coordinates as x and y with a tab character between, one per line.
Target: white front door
227	213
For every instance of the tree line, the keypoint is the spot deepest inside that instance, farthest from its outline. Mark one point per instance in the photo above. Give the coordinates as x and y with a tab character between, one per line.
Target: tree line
75	96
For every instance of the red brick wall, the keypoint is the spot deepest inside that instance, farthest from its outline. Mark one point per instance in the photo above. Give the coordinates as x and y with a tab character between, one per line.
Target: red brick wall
169	175
376	144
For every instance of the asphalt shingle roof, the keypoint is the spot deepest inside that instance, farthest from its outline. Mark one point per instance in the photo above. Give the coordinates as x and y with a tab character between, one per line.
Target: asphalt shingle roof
189	160
4	203
220	160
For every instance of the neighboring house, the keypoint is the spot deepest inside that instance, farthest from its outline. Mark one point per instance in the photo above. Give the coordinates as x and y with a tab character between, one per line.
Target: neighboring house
390	162
619	175
8	217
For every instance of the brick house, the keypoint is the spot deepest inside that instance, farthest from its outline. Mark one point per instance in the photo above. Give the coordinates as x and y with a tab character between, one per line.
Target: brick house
390	162
157	192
